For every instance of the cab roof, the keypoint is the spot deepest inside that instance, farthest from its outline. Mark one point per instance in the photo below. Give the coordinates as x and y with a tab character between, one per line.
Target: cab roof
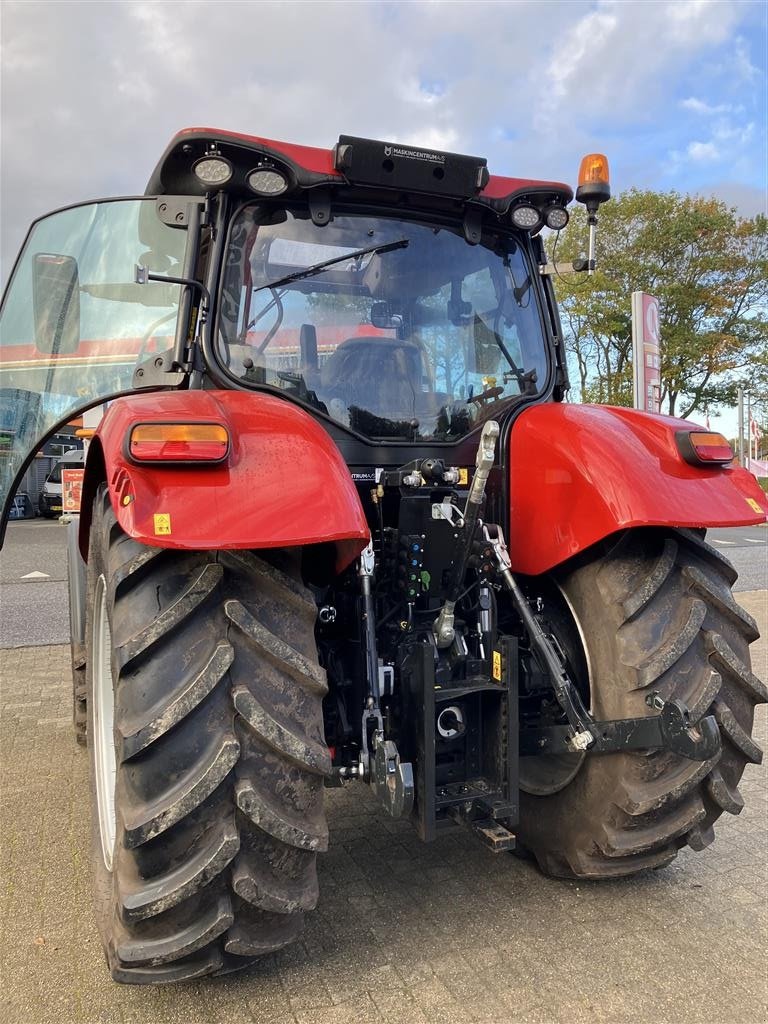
353	163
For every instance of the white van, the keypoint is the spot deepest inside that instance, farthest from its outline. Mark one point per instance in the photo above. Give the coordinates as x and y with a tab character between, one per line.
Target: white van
49	502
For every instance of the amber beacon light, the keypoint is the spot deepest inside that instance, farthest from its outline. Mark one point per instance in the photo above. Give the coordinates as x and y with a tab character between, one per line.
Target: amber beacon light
178	442
594	181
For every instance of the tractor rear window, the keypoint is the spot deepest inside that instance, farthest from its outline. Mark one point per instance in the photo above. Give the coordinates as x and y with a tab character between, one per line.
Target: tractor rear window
396	329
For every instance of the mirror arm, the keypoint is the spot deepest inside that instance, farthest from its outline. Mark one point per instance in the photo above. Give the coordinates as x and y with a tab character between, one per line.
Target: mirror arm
194	221
577	267
143	276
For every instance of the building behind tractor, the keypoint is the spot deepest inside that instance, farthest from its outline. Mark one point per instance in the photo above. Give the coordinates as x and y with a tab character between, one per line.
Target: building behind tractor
339	524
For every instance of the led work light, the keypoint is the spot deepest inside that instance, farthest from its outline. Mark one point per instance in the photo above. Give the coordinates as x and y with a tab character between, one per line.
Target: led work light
267	181
526	217
556	217
213	170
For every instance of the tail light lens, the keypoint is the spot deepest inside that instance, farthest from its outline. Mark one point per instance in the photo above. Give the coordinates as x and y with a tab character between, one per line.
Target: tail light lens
178	442
701	447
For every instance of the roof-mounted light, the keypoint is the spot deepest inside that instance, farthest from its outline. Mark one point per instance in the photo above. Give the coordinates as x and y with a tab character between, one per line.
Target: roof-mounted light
556	217
213	170
525	217
267	181
594	181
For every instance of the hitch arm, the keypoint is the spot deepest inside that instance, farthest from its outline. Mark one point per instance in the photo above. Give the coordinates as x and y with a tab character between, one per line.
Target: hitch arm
581	731
671	730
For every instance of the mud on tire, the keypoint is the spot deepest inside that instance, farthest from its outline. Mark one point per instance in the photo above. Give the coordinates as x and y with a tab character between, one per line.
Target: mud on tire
656	613
219	750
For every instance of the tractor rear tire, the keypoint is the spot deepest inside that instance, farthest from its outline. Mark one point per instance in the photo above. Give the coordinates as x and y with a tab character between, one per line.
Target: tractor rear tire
207	753
656	614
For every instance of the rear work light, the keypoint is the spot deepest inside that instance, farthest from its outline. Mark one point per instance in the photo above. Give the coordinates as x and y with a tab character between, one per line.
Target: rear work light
701	447
178	442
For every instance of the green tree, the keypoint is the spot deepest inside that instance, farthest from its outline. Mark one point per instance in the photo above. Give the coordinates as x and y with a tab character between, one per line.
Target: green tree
708	268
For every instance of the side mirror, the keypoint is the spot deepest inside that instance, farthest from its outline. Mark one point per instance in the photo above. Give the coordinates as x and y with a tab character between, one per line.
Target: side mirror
56	303
380	315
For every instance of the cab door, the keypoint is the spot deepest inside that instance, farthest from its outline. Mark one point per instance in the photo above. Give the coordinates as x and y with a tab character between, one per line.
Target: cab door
75	325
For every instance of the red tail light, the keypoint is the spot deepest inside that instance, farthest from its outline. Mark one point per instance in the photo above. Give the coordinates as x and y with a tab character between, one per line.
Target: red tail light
702	447
178	442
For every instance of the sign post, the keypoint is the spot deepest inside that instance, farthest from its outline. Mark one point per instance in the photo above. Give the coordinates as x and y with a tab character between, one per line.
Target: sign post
71	489
646	361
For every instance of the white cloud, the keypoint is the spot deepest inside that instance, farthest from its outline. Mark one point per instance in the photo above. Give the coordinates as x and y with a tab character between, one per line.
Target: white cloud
698	106
703	152
616	59
743	68
586	37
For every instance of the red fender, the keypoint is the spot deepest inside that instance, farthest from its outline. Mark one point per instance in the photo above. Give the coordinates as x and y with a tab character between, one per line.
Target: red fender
283	484
581	472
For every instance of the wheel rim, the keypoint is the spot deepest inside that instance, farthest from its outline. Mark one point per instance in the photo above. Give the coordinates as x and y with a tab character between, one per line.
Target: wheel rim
105	765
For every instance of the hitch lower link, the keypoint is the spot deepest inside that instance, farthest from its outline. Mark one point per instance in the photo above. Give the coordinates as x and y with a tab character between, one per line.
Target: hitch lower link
670	730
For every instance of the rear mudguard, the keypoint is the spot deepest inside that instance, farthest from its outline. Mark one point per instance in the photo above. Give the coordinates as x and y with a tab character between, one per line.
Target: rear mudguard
581	472
283	484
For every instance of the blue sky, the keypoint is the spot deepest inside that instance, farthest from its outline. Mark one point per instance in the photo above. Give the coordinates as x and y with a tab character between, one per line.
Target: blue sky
673	92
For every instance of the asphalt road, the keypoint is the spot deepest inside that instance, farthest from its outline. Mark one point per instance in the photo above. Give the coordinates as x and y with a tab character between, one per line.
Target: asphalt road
34	607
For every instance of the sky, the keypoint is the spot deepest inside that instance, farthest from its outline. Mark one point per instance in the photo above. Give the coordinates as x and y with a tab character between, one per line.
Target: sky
673	92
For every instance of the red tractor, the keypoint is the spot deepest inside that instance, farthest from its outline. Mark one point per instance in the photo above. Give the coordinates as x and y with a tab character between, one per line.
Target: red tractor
338	524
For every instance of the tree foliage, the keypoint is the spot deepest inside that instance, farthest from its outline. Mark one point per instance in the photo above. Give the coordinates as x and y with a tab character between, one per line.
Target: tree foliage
708	268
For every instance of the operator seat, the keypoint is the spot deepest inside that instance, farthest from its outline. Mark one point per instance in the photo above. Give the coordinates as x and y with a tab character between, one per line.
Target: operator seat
378	374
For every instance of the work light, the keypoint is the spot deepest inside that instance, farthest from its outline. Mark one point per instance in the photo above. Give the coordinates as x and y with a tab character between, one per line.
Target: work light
526	217
213	170
267	181
556	217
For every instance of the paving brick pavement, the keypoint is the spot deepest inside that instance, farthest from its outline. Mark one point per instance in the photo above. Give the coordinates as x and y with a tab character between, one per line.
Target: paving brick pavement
405	933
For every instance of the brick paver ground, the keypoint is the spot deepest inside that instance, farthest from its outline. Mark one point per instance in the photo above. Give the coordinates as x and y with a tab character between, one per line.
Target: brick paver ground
404	932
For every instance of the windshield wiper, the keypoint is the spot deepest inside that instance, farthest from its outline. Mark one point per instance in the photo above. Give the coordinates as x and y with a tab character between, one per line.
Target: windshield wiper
318	268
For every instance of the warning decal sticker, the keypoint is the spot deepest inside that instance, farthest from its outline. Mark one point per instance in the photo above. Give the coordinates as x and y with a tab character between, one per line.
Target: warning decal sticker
162	523
497	666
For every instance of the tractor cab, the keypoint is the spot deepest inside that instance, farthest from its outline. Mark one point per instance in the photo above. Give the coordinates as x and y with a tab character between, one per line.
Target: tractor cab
394	293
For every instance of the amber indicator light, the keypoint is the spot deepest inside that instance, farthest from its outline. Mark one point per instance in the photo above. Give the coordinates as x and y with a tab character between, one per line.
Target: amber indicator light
703	446
178	442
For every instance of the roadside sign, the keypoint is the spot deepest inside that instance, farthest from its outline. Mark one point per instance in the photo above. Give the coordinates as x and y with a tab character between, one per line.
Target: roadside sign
646	360
71	489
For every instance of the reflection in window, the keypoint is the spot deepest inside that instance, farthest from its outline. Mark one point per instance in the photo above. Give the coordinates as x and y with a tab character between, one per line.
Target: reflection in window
74	325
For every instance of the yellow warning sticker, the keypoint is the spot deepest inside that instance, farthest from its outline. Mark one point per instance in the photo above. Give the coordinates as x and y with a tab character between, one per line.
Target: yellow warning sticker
497	666
162	523
463	477
754	504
